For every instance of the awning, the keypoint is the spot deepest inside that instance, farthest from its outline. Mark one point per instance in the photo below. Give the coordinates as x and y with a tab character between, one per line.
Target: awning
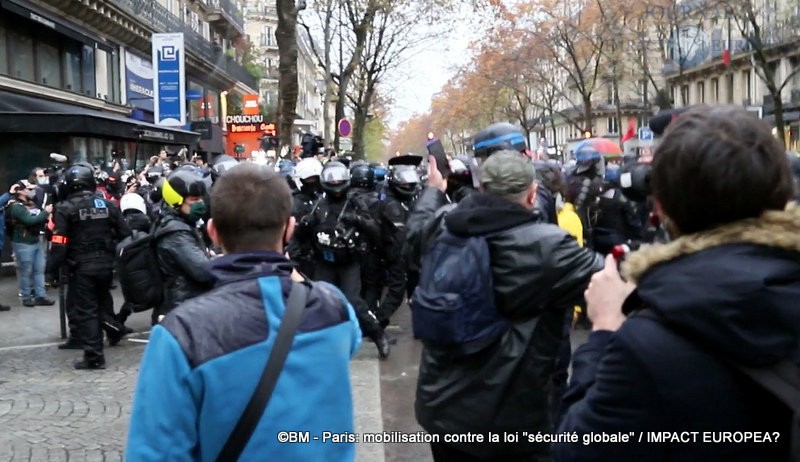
211	137
791	116
27	114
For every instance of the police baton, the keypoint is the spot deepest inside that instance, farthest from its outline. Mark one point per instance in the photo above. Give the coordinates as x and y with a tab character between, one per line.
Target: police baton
62	301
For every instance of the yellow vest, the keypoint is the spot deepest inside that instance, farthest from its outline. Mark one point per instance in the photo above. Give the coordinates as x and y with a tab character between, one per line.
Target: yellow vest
570	222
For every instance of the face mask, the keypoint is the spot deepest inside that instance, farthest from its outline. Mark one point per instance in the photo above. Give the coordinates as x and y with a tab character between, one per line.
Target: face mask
311	188
197	211
42	180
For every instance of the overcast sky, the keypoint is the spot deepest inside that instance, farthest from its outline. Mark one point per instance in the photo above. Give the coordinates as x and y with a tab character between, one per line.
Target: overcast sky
426	72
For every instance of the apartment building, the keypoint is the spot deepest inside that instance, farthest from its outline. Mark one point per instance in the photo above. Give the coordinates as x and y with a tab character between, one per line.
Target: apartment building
717	67
76	78
260	25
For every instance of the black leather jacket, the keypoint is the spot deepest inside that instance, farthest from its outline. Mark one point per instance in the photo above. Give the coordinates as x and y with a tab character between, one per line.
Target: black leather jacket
182	259
539	271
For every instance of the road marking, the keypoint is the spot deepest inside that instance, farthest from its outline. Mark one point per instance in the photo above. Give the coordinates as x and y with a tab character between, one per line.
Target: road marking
28	347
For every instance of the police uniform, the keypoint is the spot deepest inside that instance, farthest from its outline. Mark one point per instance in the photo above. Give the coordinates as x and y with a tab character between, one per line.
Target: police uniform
87	229
302	252
395	213
372	261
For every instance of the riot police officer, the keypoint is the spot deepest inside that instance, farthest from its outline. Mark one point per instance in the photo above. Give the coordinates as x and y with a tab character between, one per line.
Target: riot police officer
307	172
362	185
586	183
615	219
87	229
403	186
339	227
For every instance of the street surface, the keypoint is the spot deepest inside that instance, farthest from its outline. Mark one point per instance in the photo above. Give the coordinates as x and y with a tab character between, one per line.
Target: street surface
51	412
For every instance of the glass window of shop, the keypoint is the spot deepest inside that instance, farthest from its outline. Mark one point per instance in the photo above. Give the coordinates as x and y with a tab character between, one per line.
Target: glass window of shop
48	65
39	54
3	53
21	50
102	152
107	72
212	106
196	106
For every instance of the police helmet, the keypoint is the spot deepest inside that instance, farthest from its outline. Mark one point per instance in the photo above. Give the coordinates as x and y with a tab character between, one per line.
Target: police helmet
380	173
308	168
80	177
182	183
404	180
498	137
462	172
222	164
335	178
101	178
132	201
154	173
588	158
362	176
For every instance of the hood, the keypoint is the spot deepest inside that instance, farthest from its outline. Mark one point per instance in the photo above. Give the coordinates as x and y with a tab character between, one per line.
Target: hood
250	265
734	289
482	213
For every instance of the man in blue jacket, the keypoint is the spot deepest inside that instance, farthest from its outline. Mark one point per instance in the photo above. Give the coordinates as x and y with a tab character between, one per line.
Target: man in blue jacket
205	358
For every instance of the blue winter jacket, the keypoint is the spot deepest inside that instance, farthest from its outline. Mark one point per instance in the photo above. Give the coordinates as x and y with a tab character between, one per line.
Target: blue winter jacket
204	360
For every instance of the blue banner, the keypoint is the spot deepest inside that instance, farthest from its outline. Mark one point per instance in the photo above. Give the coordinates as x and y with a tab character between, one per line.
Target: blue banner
139	82
169	85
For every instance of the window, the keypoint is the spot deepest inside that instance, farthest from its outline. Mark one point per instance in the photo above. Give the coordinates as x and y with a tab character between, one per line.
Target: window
612	126
72	68
267	36
748	91
730	89
47	65
3	54
87	70
22	61
701	92
684	95
715	90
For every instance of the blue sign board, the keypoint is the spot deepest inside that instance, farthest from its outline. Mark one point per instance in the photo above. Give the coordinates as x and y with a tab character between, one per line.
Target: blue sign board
645	134
138	82
169	85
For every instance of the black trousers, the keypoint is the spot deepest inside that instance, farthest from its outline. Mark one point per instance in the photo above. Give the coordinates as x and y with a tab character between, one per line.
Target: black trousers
109	322
372	279
348	279
395	288
445	453
90	295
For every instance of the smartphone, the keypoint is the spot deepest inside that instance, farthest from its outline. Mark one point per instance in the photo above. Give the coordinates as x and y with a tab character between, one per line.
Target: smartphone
436	150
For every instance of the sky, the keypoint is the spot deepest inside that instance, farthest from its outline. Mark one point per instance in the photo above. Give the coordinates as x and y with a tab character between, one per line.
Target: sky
426	72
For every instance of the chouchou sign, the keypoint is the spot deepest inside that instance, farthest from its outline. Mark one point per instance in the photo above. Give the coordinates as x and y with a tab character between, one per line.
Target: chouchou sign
249	124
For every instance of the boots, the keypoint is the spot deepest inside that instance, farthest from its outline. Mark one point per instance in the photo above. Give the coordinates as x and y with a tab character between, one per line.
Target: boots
382	343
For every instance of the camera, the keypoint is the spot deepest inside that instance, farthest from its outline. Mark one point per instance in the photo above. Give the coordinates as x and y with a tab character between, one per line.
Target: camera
634	180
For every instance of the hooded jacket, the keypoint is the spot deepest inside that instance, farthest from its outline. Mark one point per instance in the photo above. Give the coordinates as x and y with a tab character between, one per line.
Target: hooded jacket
722	297
538	272
182	259
205	358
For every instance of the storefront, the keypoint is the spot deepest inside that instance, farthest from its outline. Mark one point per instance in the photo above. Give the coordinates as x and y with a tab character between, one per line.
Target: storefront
245	133
34	127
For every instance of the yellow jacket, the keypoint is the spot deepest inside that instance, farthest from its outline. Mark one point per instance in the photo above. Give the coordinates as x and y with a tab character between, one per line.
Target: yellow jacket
570	222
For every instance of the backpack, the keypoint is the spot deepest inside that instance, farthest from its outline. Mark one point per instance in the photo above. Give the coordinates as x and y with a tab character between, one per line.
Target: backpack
453	307
139	275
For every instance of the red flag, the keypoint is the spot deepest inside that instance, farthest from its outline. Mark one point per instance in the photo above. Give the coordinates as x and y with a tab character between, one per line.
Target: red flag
631	133
726	57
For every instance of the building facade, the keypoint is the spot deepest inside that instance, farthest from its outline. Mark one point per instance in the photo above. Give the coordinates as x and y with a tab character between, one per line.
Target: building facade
261	23
76	78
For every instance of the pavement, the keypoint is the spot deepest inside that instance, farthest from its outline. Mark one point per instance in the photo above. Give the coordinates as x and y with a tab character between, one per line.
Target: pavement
51	412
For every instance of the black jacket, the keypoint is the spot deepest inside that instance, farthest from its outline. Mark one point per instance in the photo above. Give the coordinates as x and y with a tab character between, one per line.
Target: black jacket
538	270
729	296
182	259
423	223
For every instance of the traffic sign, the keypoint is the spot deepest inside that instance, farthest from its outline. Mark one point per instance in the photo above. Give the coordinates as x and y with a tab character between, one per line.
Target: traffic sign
345	144
645	134
345	128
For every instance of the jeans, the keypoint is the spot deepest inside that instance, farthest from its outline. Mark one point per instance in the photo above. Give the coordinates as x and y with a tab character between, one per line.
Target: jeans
30	261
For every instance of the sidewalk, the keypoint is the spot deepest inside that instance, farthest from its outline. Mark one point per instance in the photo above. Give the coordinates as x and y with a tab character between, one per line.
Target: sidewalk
49	411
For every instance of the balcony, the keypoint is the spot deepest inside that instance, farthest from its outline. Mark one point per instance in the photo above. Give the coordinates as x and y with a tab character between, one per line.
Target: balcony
226	17
113	17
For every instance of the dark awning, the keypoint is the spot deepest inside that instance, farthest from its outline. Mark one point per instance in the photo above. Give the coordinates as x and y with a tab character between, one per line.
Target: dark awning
211	140
27	114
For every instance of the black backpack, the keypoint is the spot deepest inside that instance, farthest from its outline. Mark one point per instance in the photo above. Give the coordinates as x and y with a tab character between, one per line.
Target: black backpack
138	270
453	307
